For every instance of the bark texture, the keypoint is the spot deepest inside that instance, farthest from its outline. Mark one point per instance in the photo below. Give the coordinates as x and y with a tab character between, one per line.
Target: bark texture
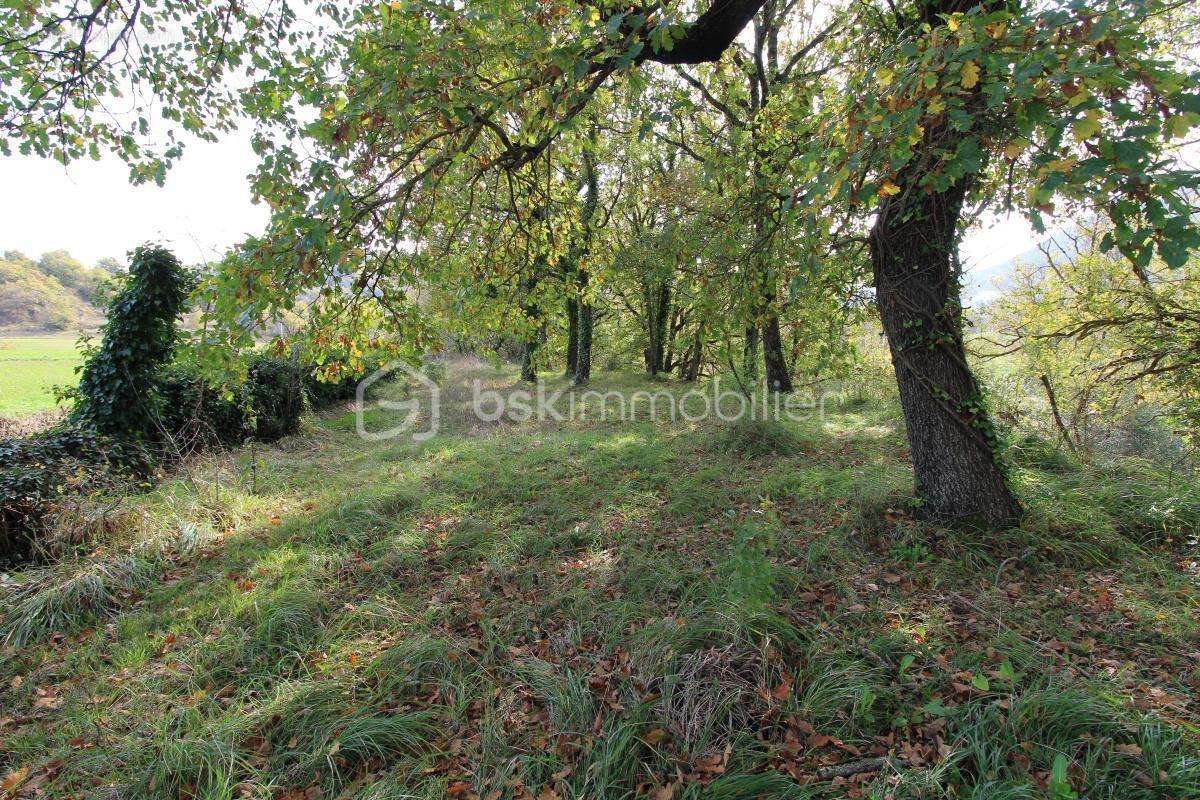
779	377
959	475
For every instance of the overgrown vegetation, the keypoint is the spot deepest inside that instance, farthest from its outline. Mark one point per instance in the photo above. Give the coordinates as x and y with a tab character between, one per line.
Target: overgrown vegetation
137	411
944	581
591	609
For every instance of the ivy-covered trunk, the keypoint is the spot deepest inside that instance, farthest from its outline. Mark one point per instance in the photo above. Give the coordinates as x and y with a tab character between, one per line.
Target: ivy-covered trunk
537	330
954	446
572	336
583	358
657	307
529	353
750	358
690	367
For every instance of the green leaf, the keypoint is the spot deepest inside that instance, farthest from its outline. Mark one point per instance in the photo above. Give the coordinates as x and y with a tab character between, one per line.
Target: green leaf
981	683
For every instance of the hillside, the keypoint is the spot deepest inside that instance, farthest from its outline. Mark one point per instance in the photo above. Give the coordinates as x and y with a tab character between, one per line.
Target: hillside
605	610
53	293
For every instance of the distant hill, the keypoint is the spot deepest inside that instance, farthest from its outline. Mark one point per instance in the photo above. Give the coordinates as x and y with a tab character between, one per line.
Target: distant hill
53	293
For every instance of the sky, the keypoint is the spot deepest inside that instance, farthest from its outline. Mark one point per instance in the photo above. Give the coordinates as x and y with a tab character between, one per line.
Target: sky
90	209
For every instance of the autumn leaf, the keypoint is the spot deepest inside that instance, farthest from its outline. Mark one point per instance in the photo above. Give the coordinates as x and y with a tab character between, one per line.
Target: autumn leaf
664	792
888	188
14	779
1084	129
970	75
654	736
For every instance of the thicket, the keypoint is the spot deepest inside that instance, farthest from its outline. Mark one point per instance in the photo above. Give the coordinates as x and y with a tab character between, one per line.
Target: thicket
138	408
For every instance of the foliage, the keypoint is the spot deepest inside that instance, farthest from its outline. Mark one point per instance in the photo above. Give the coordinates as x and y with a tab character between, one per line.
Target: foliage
1115	342
62	64
53	293
116	393
275	393
38	470
193	416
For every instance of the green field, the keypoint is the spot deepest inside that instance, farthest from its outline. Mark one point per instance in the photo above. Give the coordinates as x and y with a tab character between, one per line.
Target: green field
30	368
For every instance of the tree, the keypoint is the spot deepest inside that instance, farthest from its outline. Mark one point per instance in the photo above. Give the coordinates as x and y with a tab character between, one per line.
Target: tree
1105	337
116	394
410	112
957	103
64	62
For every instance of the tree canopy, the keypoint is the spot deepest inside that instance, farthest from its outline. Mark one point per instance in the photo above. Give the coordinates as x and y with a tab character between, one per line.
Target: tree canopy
731	180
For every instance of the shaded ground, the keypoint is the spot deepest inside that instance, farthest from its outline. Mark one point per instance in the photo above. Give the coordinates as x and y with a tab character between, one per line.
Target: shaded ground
606	610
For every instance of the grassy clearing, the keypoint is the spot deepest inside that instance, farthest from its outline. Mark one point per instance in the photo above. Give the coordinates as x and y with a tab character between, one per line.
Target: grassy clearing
605	610
30	368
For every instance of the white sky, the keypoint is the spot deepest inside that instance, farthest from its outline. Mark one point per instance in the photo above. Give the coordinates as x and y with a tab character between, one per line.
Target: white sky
91	210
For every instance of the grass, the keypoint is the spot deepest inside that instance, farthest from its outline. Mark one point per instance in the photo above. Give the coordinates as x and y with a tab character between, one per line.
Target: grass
607	610
30	368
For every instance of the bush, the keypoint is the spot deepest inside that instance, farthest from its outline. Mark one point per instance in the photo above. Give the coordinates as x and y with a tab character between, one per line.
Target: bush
194	416
321	393
275	389
40	469
116	394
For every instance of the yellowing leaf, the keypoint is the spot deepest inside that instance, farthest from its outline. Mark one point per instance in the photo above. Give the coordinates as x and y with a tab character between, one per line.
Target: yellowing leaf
954	22
888	188
1015	148
1178	126
970	75
884	76
1085	129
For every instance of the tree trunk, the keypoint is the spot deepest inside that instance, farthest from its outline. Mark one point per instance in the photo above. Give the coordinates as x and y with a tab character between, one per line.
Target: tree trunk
529	361
750	358
572	336
779	377
959	473
583	358
657	303
691	369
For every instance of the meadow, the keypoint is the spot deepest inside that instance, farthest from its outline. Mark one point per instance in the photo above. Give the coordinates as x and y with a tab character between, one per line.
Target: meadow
30	368
601	609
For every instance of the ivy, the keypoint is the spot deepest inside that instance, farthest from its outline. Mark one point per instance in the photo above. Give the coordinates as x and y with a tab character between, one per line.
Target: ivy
117	387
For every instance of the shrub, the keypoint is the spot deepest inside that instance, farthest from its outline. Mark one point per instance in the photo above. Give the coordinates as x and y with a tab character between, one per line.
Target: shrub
275	390
116	389
40	469
193	416
321	393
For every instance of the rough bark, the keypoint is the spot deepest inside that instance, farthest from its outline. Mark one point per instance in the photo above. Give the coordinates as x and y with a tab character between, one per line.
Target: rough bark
708	37
779	377
959	475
